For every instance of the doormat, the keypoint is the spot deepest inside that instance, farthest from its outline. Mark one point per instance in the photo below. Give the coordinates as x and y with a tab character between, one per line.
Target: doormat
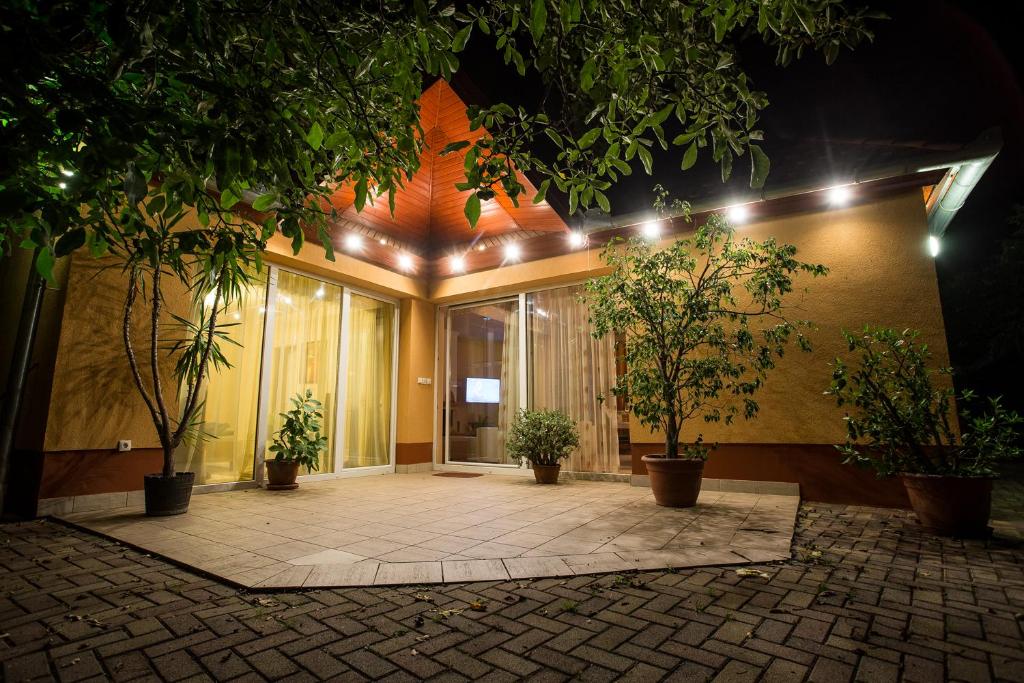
460	475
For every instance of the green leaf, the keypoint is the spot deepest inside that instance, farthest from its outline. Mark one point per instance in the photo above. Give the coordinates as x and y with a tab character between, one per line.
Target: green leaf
360	200
542	191
538	19
602	201
759	167
461	38
454	147
264	201
589	138
44	265
472	209
645	158
228	198
683	138
315	136
689	156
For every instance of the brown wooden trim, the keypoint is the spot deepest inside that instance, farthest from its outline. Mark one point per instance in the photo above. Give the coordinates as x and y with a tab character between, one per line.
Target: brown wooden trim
413	453
80	473
818	468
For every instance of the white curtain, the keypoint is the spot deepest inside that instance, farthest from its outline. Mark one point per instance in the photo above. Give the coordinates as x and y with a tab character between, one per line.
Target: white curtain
509	404
571	371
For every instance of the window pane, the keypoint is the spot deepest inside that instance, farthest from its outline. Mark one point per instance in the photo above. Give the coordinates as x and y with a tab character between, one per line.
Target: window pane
224	451
368	397
483	391
307	328
571	371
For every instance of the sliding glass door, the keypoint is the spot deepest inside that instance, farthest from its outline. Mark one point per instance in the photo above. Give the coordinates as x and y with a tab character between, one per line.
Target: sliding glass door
294	333
498	361
483	388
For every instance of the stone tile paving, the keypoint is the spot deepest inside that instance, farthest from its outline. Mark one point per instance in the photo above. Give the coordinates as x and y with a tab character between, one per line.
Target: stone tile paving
417	528
866	597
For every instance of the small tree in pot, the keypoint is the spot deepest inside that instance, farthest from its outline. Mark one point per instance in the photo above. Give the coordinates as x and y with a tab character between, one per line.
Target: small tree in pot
901	424
703	322
543	438
298	443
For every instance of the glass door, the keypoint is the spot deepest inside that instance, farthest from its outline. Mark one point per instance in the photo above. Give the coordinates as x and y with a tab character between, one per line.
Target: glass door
482	390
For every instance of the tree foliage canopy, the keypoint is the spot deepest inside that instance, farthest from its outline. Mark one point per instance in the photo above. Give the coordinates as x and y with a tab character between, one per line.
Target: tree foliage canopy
112	112
704	323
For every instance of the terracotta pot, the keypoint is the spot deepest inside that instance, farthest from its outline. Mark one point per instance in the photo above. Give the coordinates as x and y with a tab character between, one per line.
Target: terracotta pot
675	482
168	495
951	506
281	475
546	474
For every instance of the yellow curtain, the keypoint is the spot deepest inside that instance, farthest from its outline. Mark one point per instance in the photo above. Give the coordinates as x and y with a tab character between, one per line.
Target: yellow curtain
307	330
224	451
368	397
570	371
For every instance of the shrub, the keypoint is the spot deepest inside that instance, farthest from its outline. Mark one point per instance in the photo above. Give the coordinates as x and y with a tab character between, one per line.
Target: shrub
899	421
299	438
542	437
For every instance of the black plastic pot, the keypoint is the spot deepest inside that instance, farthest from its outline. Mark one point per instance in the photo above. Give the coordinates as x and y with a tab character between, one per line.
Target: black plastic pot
168	495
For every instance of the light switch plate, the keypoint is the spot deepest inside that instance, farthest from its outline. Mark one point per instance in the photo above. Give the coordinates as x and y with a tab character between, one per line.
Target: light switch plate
424	380
124	445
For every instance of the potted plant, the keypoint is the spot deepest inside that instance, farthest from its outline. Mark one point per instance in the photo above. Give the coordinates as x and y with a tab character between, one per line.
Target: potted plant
297	443
704	323
901	424
542	438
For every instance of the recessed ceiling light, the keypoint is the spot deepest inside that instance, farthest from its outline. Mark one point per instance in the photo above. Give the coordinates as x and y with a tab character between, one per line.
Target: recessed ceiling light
651	230
577	239
405	262
512	252
840	195
934	245
737	214
353	242
382	240
458	264
480	247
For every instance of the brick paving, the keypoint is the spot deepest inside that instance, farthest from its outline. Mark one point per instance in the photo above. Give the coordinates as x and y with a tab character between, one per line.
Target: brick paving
866	597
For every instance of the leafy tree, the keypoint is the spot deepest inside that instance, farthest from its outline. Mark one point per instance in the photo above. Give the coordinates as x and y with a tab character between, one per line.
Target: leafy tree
899	421
183	136
704	323
105	105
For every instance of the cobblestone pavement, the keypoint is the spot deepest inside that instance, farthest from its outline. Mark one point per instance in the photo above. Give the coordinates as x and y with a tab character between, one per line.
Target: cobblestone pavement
867	597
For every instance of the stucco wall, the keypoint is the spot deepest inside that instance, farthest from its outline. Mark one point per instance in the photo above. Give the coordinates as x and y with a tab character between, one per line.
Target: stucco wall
415	429
94	400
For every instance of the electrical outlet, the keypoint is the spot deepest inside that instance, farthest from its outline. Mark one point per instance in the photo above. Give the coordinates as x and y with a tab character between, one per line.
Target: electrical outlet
423	380
124	445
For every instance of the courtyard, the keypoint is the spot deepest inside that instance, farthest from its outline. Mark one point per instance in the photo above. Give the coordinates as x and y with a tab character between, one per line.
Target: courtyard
863	596
433	528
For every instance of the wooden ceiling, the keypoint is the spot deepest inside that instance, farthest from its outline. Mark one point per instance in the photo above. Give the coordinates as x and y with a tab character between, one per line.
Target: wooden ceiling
429	210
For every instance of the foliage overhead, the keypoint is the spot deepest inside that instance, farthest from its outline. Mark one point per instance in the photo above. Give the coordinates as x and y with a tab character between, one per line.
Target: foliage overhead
899	421
704	323
112	113
541	437
299	438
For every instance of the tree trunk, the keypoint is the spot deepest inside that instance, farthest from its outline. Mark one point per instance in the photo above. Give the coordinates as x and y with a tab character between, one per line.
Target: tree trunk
671	437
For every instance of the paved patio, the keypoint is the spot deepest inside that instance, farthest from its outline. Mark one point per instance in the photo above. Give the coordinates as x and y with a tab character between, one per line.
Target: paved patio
424	529
865	596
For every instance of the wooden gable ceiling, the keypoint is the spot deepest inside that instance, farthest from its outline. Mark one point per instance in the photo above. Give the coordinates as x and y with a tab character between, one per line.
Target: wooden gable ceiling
429	209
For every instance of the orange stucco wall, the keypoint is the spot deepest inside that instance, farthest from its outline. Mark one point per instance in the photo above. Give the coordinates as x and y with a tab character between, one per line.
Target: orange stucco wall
415	429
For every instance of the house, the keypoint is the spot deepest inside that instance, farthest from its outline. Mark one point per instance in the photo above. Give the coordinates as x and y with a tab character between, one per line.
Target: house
425	336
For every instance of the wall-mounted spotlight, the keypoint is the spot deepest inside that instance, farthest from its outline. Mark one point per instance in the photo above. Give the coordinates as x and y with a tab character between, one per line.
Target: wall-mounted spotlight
737	214
934	245
651	230
577	239
840	195
512	252
457	264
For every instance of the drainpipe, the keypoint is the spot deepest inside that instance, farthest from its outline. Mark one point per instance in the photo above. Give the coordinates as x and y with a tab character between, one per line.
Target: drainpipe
960	181
27	325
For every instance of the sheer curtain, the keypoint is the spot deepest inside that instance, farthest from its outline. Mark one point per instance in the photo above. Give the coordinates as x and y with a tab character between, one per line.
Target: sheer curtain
508	405
368	397
225	449
307	320
570	371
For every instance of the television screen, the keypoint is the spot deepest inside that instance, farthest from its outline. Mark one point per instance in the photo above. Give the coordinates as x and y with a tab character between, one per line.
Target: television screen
482	390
